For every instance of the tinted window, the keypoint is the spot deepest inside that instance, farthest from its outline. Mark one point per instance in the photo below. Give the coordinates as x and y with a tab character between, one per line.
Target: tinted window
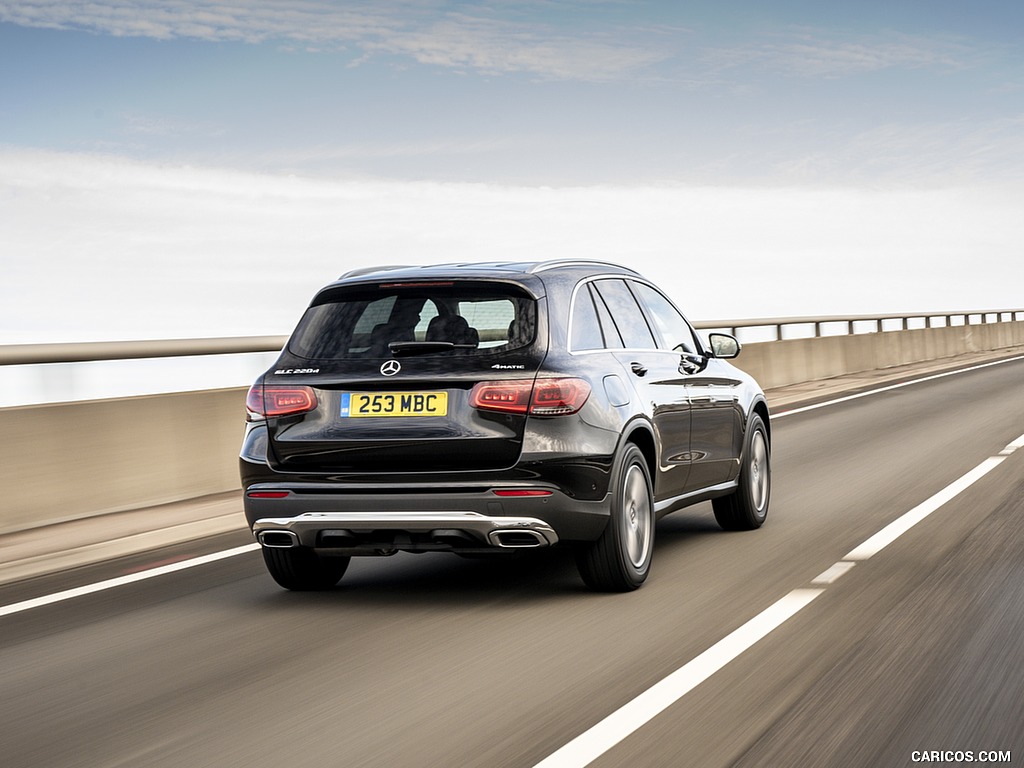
612	338
673	330
626	313
361	322
586	328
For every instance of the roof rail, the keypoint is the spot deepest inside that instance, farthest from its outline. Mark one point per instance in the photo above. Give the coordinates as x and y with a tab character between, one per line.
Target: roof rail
556	263
370	270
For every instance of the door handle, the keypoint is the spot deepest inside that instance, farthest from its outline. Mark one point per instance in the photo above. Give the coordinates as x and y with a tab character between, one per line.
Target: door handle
638	368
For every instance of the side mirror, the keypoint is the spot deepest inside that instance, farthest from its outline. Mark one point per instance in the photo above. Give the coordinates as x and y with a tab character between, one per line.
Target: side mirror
724	346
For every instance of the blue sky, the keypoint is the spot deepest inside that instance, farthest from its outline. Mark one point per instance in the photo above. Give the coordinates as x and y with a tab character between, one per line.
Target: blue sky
170	159
527	92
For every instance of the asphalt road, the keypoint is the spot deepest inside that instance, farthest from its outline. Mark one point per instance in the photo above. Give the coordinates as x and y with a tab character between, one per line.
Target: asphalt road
432	660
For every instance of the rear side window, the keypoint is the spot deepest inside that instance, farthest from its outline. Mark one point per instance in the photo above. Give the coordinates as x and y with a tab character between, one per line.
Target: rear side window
674	332
629	319
470	318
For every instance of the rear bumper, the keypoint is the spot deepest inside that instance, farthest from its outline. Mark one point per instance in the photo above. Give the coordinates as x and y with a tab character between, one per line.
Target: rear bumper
420	531
421	518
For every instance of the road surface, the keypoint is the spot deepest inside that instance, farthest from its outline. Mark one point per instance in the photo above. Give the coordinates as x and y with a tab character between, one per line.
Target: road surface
833	636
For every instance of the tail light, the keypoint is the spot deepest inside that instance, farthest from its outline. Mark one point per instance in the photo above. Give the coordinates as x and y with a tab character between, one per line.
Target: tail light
276	400
544	397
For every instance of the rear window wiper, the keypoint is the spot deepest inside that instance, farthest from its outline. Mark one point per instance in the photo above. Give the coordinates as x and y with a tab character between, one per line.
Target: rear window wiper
414	347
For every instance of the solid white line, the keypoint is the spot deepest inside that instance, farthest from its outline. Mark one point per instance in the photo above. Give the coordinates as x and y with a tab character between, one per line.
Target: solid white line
1012	446
89	589
902	524
593	743
833	574
891	387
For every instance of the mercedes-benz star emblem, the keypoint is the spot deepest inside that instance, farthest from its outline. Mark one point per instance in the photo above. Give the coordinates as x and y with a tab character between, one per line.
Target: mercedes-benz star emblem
390	368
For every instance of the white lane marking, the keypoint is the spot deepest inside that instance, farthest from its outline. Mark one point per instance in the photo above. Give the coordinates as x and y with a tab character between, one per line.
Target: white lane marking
847	398
833	574
902	524
663	694
593	743
119	581
597	740
1011	447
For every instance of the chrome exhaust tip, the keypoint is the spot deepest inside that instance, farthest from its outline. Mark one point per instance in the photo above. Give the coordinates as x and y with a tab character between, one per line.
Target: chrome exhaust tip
517	539
278	539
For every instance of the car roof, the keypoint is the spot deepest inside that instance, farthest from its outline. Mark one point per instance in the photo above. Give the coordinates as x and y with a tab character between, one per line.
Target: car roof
484	269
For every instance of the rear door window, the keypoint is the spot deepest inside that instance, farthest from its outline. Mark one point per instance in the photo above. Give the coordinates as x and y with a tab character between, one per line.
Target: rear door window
628	317
672	329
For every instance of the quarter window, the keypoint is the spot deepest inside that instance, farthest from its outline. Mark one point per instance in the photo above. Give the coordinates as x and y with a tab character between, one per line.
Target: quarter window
586	329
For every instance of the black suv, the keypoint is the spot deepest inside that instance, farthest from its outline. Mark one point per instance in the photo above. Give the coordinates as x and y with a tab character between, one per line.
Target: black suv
492	407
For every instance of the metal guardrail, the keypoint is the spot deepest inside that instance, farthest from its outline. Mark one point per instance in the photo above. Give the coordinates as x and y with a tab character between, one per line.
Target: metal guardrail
817	324
94	351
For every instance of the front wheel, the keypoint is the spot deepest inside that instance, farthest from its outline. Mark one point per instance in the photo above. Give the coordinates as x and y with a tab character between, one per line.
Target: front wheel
620	560
746	508
302	570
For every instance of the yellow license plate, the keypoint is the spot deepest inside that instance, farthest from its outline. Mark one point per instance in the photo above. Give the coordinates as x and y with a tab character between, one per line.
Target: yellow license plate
367	404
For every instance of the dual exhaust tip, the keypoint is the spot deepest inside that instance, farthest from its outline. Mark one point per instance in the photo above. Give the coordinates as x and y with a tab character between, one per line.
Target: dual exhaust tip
277	539
507	538
517	539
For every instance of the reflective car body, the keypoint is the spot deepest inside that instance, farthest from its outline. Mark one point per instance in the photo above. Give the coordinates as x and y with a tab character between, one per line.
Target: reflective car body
491	407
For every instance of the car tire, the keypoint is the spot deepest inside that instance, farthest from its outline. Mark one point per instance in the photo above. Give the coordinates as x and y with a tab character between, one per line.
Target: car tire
302	570
620	559
746	508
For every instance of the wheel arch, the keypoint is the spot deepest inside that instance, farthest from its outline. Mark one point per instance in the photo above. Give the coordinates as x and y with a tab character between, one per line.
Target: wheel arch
641	434
760	407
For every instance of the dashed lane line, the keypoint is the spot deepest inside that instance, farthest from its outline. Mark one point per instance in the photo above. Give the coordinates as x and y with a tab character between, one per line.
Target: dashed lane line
597	740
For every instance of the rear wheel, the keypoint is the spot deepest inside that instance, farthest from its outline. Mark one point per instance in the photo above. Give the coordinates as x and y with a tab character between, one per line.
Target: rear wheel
620	560
747	507
302	570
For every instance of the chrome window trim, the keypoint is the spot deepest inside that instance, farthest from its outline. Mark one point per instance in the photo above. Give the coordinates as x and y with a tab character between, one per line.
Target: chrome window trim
593	278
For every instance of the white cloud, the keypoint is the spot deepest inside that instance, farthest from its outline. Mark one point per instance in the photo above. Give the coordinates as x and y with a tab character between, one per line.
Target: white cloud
482	39
820	55
492	46
102	248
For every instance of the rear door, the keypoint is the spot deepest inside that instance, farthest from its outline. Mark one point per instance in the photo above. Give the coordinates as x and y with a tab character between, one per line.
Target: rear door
654	374
393	369
716	417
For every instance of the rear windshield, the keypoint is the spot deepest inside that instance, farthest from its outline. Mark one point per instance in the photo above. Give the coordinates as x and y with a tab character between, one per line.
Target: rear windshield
442	318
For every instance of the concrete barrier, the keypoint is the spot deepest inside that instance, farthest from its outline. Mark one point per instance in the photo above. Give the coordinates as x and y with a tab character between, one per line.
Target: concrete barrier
74	460
794	361
71	460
